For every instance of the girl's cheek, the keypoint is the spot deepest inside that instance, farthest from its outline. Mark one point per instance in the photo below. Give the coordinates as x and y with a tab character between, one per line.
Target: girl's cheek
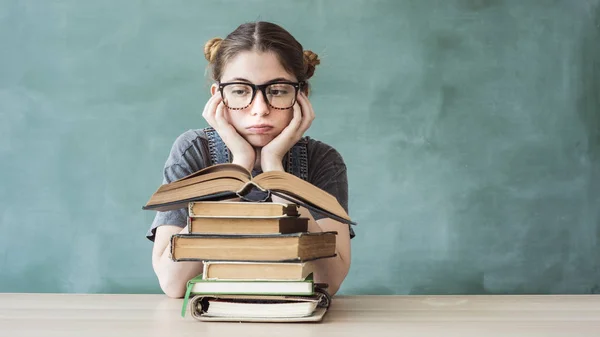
231	115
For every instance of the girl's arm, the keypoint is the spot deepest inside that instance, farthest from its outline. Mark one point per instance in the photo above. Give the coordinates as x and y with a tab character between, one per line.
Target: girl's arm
172	276
332	270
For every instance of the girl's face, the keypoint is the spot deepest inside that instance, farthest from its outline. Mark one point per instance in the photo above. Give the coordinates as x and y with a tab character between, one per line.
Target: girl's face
258	123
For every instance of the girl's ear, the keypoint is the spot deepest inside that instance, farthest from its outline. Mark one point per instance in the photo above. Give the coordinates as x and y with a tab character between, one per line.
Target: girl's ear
213	89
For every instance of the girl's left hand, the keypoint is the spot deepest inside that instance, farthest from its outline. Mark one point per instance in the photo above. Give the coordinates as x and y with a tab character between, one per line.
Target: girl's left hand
272	154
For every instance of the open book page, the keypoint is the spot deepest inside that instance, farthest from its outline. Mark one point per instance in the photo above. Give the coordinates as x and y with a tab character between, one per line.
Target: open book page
312	207
209	173
227	167
308	192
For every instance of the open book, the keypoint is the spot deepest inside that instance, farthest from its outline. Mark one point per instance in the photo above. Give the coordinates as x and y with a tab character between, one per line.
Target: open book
225	181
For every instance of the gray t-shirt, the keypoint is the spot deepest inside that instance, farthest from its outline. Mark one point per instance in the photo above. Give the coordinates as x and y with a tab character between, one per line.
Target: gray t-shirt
190	153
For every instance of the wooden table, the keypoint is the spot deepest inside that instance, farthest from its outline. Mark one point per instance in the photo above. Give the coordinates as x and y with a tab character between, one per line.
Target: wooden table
156	315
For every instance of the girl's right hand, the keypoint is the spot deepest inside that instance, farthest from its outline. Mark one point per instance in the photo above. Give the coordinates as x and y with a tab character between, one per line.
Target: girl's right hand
243	153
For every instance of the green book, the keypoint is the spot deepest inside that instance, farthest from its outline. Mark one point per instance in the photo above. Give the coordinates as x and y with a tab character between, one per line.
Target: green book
197	286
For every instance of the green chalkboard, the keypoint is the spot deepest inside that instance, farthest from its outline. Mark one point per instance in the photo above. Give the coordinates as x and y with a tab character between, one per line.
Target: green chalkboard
470	128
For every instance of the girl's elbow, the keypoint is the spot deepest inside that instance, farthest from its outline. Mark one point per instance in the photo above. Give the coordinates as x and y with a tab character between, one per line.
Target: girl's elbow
336	283
172	288
173	292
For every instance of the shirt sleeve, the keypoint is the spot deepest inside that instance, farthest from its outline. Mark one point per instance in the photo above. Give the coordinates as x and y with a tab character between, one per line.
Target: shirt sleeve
328	172
186	157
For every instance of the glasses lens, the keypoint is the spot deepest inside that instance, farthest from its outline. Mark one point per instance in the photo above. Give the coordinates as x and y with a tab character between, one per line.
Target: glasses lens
237	96
281	95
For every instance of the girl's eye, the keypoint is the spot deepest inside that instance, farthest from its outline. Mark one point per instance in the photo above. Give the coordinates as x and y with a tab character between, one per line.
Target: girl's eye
277	92
239	91
280	90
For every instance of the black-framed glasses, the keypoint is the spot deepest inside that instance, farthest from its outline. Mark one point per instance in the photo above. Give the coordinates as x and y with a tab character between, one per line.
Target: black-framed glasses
279	95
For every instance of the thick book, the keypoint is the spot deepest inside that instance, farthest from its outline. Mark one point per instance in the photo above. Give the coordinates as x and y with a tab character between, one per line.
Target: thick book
293	247
233	209
224	181
275	307
227	308
240	270
221	225
200	285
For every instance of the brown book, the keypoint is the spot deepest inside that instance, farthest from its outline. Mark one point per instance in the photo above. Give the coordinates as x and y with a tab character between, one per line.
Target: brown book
269	247
210	225
224	181
230	209
240	270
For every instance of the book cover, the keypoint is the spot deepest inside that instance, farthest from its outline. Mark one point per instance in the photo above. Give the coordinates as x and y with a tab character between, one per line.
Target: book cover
258	308
238	225
265	289
200	285
293	247
233	209
241	270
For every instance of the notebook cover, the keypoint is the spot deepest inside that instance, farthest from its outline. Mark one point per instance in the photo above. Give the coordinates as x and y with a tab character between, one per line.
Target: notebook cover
316	316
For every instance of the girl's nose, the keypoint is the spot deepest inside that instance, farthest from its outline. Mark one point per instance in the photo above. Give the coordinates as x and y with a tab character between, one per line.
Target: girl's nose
260	106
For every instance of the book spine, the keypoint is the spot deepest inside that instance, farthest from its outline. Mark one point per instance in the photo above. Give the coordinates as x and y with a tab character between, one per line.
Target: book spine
173	247
205	267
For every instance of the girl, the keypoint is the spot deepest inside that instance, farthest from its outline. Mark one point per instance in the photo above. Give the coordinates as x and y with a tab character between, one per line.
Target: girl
258	113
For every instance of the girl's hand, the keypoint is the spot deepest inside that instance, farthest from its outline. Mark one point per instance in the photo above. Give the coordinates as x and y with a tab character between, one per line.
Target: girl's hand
242	151
272	154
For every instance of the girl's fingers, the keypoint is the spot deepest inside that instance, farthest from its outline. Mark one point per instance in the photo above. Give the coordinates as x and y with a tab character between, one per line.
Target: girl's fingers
209	104
297	119
210	108
290	132
225	130
219	115
225	112
307	112
309	106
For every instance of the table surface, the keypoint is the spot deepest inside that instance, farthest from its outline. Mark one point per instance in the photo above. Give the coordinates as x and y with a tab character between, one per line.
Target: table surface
157	315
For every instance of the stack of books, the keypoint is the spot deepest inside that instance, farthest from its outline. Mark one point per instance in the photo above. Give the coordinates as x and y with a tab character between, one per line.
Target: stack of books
258	257
258	262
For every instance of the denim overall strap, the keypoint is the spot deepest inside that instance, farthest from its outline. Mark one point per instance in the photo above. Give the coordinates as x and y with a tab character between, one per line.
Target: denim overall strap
219	153
297	159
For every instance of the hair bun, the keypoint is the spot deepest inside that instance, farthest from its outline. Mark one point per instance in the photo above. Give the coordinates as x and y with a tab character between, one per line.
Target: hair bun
311	60
211	47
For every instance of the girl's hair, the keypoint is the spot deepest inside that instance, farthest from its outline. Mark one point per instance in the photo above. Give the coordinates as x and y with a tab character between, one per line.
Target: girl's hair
264	37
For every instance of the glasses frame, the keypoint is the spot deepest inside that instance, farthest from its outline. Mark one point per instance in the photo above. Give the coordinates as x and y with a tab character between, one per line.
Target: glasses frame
262	87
